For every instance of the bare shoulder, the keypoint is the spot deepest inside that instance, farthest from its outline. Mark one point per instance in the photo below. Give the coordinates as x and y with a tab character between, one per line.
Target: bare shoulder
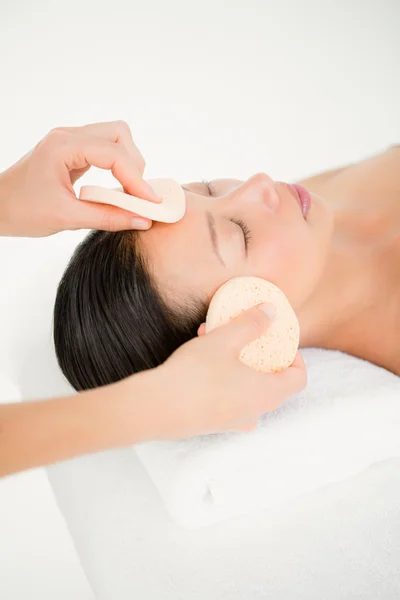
372	174
375	174
313	182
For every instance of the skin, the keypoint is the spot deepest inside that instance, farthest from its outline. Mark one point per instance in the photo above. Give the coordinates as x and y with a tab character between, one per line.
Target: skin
185	262
324	264
37	199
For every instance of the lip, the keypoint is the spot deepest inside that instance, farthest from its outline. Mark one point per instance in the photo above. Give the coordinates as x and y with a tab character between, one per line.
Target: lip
303	198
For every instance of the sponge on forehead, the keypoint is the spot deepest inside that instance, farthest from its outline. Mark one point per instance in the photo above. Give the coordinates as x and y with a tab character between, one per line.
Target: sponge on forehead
276	349
170	210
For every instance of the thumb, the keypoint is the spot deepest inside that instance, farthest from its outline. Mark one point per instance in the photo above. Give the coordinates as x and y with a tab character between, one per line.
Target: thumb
91	215
245	328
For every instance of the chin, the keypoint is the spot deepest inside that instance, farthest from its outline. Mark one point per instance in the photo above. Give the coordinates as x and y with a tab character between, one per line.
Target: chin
320	220
319	214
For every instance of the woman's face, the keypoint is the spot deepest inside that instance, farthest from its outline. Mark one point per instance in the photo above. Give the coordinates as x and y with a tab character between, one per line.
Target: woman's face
233	228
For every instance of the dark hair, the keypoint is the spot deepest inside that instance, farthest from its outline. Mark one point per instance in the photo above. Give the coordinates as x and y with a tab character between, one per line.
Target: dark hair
110	320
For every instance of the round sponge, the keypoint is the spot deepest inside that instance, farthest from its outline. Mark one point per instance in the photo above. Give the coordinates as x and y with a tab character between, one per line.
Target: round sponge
273	351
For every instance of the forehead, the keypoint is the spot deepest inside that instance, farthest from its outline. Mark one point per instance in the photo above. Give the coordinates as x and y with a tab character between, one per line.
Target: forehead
179	254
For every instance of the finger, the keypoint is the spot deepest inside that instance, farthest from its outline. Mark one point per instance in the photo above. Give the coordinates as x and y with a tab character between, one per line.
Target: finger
298	362
245	328
91	215
75	174
277	387
80	152
114	131
201	330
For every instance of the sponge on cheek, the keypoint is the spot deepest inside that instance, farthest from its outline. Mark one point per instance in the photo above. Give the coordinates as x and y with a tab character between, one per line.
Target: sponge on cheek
170	210
276	349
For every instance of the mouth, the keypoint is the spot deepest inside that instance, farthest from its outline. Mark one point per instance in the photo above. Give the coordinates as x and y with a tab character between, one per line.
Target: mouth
303	198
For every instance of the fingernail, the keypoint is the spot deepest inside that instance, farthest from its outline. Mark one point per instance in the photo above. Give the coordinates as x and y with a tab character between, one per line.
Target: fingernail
269	310
140	224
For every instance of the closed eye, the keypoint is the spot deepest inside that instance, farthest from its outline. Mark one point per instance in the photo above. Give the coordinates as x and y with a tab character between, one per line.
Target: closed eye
209	188
246	232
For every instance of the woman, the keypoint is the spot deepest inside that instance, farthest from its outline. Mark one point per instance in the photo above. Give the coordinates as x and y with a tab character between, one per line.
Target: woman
129	299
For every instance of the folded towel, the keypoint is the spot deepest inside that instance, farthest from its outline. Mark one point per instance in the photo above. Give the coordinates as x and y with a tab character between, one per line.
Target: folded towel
347	419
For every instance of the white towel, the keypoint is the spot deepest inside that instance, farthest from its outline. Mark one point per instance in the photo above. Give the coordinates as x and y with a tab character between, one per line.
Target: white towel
347	419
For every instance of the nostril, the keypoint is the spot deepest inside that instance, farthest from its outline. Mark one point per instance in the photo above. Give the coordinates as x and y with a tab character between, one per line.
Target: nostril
269	192
273	199
266	190
261	188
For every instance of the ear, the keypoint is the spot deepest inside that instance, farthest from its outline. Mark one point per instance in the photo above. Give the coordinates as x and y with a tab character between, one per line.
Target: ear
201	330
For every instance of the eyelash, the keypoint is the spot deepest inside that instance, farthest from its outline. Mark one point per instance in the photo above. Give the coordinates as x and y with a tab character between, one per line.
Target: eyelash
208	186
245	229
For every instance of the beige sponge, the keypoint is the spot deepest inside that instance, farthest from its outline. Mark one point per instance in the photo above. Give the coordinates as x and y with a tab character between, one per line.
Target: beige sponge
170	210
273	351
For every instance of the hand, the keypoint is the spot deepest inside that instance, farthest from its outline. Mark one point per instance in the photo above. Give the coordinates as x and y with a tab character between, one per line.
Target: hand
204	388
36	194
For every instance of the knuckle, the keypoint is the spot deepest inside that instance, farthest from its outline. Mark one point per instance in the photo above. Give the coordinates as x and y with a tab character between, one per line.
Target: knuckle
118	155
106	223
122	126
119	150
57	136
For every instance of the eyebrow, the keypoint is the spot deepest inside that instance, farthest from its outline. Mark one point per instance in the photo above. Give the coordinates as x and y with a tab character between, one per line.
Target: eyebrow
213	235
204	184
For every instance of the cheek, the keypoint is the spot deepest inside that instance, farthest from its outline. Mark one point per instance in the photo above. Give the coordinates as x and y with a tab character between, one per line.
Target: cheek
289	263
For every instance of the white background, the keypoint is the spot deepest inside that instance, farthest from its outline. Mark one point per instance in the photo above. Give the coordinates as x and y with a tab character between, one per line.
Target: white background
210	89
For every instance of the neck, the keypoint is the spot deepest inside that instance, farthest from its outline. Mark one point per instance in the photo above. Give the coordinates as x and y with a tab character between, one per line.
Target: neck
333	313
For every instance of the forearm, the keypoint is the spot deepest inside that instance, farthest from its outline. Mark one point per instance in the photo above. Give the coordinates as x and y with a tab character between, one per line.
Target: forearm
3	207
6	203
42	432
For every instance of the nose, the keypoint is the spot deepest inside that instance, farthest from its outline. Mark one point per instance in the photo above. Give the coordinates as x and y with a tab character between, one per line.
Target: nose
259	189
